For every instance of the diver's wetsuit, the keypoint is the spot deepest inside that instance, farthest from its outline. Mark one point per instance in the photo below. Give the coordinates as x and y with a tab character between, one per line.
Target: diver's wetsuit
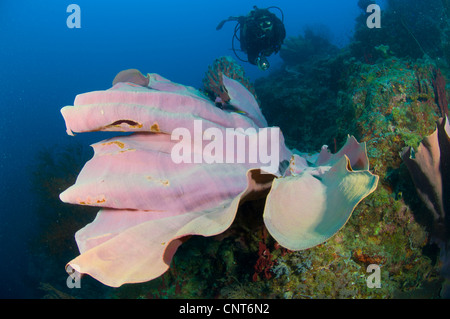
261	33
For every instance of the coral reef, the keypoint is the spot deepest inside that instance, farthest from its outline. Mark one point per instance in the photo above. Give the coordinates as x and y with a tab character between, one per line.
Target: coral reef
314	44
390	103
264	263
213	82
410	28
393	104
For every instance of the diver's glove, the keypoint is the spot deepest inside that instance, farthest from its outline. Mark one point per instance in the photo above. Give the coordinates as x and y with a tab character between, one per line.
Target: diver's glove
220	25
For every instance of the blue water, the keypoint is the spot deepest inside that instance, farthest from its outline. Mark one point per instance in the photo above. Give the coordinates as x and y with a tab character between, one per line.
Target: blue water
44	65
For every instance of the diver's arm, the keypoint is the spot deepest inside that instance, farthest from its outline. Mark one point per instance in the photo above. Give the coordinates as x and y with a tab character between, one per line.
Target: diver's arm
220	25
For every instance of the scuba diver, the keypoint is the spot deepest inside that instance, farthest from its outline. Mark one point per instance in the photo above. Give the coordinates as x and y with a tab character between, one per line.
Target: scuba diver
261	34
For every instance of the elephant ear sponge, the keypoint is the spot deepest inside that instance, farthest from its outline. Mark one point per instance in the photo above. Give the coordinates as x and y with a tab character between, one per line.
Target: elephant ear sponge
150	203
429	167
307	208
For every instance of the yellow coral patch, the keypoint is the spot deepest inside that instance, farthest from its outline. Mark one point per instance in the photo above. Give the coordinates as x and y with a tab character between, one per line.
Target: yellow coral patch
155	128
119	144
163	182
89	201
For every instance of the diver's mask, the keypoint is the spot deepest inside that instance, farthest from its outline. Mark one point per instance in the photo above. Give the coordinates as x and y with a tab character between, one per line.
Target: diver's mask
262	63
266	25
